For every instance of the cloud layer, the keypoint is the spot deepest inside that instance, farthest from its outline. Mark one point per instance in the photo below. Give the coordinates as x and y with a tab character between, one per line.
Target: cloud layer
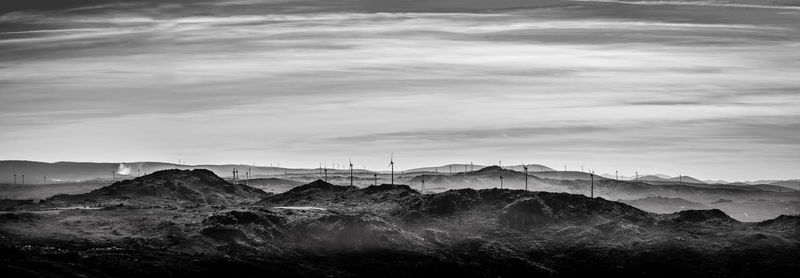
704	92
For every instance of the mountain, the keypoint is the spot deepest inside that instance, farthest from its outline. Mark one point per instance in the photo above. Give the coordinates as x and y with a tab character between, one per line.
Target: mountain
663	178
376	197
445	169
460	168
711	216
487	177
567	175
167	187
652	178
531	168
520	209
768	187
794	184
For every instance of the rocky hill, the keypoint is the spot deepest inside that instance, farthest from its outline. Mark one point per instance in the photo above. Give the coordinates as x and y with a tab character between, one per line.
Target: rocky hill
320	193
167	187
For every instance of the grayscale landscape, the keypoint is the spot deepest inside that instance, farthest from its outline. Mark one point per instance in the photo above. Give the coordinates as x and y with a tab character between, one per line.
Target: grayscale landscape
415	138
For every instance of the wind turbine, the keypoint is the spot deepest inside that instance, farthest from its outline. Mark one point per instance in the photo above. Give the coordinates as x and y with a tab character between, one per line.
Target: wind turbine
326	171
351	171
376	178
525	168
391	164
591	176
500	164
15	177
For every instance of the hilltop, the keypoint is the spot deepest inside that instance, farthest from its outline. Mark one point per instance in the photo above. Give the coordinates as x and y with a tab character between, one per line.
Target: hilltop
167	187
320	193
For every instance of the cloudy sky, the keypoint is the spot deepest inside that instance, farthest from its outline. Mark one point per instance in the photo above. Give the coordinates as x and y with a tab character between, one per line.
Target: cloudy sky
705	89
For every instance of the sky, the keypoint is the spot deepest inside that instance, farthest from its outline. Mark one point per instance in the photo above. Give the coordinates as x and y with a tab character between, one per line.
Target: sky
703	89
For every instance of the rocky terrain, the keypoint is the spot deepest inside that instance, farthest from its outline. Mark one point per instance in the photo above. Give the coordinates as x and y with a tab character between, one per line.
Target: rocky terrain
168	187
190	222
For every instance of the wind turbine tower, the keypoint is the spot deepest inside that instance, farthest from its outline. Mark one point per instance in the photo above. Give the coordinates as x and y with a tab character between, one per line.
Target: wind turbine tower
500	164
15	178
591	177
351	171
525	168
391	164
249	175
375	175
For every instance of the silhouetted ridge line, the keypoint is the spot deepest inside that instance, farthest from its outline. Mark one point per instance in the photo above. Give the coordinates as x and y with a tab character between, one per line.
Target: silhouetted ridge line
700	216
319	185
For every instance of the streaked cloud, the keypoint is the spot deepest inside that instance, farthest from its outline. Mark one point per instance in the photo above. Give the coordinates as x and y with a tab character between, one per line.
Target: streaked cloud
555	86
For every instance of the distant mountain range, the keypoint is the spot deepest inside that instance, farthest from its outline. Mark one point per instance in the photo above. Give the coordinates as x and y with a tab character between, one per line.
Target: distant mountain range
39	172
61	172
664	178
460	168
